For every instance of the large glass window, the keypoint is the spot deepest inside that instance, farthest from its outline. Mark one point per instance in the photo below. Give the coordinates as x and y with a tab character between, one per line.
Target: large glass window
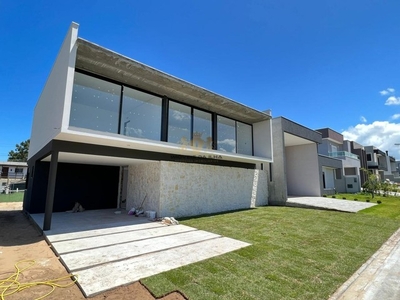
202	129
95	104
244	138
226	133
179	123
141	115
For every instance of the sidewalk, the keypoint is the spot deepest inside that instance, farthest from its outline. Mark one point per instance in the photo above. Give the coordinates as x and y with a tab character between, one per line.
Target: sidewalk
378	278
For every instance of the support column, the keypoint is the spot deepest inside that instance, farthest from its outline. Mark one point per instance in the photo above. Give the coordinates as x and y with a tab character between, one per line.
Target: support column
51	186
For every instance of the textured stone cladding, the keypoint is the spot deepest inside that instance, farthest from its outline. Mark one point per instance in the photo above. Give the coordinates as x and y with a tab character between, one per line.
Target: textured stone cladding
144	181
194	189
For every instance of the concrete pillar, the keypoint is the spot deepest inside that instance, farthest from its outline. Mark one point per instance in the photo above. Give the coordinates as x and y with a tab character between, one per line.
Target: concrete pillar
51	185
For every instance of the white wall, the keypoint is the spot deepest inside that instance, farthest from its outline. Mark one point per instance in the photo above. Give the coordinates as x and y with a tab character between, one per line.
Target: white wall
53	107
303	177
183	189
262	139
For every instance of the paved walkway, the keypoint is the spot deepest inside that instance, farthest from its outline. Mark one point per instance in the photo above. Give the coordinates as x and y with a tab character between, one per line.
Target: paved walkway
378	278
328	203
107	250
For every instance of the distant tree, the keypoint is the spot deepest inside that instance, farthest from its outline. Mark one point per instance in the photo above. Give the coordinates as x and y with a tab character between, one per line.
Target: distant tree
20	153
372	185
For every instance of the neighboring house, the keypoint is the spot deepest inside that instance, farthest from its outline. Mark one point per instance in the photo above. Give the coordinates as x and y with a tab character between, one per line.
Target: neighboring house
380	163
107	127
296	170
12	173
334	146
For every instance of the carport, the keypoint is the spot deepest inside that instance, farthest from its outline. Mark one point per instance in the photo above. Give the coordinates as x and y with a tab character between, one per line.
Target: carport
295	170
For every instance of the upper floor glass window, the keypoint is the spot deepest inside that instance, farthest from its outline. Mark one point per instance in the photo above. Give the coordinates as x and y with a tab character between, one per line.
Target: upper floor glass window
141	115
95	104
179	123
226	133
202	130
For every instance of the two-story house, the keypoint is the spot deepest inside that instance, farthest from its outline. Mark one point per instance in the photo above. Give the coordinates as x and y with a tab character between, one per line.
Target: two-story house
109	131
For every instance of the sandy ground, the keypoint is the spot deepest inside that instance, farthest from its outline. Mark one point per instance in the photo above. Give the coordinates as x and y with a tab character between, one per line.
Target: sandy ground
20	240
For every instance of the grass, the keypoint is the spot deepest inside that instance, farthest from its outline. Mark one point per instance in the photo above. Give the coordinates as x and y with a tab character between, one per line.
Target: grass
14	197
295	254
389	208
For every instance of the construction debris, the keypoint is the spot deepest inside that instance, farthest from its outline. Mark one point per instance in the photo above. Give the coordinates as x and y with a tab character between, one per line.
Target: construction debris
169	221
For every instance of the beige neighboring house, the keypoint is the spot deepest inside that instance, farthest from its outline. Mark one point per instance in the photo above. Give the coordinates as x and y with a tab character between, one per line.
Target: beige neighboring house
13	175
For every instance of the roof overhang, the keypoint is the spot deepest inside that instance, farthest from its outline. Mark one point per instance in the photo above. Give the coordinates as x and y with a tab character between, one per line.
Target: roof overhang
101	61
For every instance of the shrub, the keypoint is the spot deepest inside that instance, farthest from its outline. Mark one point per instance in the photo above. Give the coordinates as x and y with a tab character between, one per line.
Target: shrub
344	198
355	199
379	201
324	195
333	196
367	200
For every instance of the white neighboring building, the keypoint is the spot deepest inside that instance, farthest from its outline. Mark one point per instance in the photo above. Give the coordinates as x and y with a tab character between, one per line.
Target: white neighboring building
12	173
108	127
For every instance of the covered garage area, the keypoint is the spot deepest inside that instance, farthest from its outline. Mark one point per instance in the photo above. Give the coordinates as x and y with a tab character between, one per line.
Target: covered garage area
295	171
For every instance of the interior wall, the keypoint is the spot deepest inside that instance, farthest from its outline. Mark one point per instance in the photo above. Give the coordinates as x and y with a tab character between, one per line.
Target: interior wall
302	170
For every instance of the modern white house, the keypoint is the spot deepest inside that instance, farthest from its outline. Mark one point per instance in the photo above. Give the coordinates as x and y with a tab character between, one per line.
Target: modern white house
109	130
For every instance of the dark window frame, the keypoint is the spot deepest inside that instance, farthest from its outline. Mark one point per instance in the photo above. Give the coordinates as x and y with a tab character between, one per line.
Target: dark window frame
165	111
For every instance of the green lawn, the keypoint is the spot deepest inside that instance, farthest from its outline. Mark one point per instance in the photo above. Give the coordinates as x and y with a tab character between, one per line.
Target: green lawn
295	254
14	197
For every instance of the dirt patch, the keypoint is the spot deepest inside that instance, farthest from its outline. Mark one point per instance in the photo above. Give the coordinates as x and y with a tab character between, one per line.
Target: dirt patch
20	240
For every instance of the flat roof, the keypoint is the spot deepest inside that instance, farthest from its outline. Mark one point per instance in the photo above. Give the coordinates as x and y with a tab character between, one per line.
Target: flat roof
13	164
101	61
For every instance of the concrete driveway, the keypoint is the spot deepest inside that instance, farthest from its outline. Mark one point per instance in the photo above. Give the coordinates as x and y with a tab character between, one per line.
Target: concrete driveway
107	250
328	203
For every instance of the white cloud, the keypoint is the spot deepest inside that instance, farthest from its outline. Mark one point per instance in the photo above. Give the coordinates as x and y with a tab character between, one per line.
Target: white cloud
381	134
177	115
228	142
384	92
363	119
395	116
392	100
387	91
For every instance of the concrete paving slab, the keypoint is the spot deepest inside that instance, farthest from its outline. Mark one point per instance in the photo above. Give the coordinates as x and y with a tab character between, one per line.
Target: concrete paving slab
378	278
106	254
106	276
328	203
107	250
107	239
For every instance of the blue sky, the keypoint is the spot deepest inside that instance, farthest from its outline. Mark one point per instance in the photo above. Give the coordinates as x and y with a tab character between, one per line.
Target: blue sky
319	63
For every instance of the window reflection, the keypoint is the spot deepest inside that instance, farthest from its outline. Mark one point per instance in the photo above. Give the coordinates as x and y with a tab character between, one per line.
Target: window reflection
202	130
226	133
179	123
95	104
141	115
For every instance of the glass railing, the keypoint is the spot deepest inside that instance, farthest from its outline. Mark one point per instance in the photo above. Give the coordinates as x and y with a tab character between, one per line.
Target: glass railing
343	154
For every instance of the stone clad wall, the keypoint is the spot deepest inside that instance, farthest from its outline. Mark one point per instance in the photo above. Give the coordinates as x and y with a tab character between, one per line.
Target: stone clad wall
144	179
195	189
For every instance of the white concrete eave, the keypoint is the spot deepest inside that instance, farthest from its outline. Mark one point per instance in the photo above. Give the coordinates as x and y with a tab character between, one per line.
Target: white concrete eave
101	61
86	136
